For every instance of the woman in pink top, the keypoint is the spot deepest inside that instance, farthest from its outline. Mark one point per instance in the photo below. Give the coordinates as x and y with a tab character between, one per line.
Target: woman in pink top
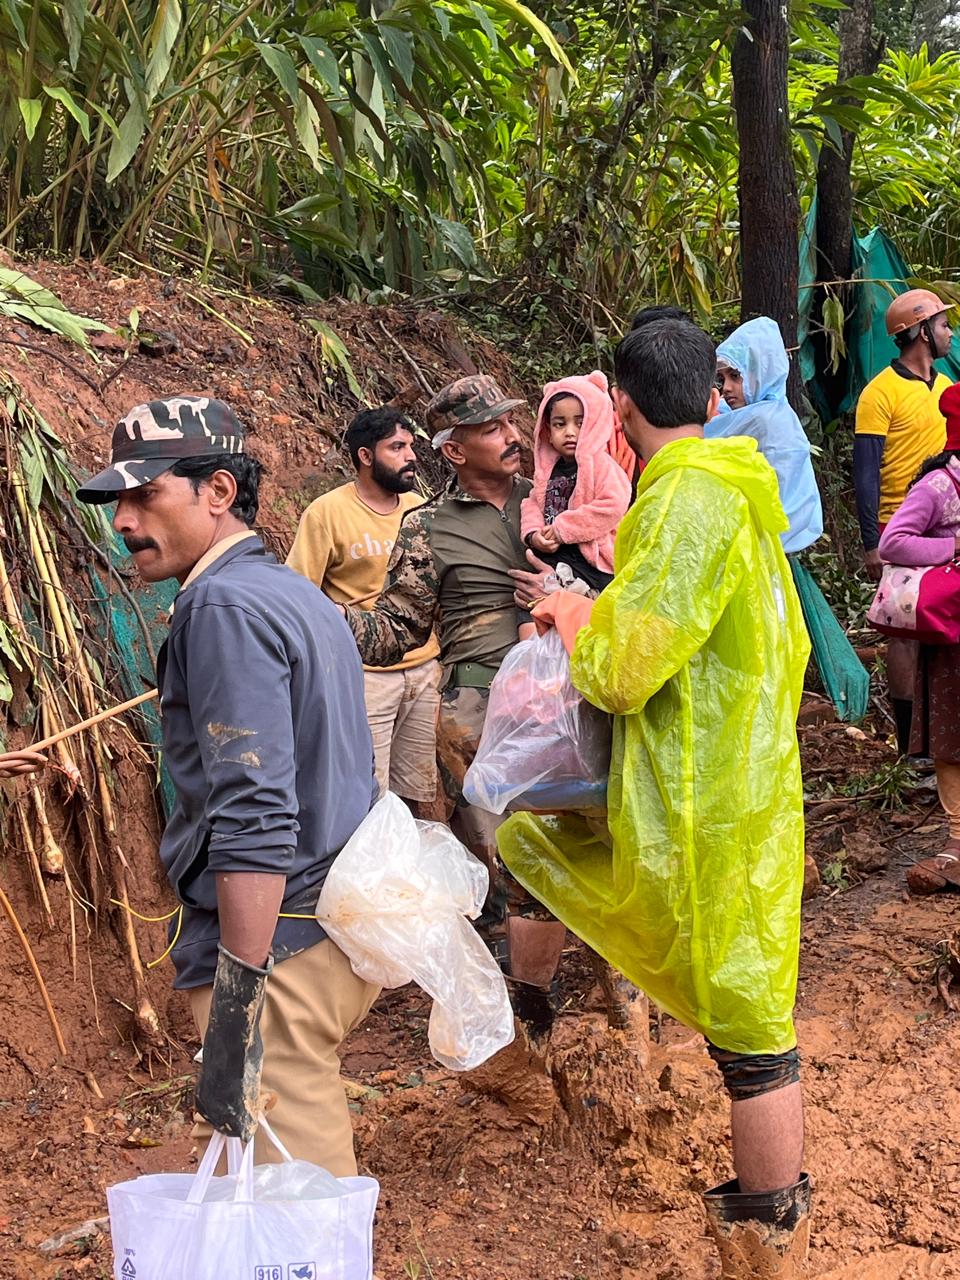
926	531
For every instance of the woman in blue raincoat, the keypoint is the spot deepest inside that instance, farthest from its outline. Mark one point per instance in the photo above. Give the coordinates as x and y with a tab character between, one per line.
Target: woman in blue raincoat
752	370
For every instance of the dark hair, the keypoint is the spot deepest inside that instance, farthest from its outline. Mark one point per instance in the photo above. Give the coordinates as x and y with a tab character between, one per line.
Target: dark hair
371	426
244	469
555	399
660	312
936	463
668	369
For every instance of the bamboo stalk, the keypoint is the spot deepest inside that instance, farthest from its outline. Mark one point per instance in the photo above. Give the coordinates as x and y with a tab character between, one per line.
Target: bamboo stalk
52	721
93	720
145	1016
34	863
31	960
76	664
73	921
51	858
49	705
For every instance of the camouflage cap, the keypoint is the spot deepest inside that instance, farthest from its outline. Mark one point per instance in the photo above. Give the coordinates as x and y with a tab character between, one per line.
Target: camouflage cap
152	437
468	402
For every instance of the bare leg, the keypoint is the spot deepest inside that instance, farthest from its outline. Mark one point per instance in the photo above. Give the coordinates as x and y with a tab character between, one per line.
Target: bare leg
768	1139
901	668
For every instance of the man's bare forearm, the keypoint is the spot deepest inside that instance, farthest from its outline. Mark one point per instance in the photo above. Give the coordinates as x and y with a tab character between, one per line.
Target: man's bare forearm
248	903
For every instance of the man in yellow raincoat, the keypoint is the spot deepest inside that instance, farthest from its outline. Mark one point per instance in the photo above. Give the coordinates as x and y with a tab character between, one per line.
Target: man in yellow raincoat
698	648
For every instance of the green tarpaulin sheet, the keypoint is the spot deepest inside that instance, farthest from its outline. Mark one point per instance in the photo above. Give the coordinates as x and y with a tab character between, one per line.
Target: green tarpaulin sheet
881	273
132	644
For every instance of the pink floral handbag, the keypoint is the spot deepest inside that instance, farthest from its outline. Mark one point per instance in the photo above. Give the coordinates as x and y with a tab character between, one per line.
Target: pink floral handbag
919	603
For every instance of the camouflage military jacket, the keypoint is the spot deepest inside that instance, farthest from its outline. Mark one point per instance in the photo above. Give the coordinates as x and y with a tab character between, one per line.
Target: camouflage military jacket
448	572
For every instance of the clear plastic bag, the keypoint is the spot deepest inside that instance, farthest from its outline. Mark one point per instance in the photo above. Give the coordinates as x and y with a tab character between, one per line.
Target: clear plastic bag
276	1220
543	745
396	901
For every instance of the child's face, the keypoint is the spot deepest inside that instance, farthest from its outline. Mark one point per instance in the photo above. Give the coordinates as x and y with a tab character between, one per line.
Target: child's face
730	385
566	419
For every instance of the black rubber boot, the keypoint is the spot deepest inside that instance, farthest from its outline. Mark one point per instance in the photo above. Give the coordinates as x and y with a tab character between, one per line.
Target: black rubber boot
903	715
228	1088
760	1235
534	948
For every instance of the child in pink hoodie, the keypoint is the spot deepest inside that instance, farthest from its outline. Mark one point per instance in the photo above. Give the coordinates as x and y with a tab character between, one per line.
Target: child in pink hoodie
580	493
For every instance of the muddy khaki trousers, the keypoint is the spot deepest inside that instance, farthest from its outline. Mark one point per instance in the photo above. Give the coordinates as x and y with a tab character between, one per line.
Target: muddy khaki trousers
314	1000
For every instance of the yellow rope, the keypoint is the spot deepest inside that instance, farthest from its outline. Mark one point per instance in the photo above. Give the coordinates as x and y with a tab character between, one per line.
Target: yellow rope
152	964
146	919
178	912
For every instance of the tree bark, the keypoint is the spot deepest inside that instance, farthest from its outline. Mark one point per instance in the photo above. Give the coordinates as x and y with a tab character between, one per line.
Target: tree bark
859	56
769	208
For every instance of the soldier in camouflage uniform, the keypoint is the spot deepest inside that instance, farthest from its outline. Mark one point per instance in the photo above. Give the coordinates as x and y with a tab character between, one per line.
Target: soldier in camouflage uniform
450	571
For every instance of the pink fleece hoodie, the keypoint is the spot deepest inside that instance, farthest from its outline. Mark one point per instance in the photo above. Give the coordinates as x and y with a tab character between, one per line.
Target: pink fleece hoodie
602	494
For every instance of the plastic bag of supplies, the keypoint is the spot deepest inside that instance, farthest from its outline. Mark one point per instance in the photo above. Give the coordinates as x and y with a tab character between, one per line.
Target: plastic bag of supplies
398	901
269	1222
543	745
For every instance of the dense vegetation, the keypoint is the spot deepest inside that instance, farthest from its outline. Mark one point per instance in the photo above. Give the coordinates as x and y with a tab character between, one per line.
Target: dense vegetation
586	153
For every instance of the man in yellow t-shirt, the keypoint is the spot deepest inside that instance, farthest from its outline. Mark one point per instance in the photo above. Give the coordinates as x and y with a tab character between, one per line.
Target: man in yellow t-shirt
898	426
343	544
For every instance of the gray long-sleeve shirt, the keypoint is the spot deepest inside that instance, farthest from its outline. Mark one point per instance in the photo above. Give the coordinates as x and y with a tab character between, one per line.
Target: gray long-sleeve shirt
266	739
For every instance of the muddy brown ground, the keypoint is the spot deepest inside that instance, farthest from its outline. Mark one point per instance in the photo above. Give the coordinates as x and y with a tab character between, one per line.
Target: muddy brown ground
575	1164
572	1165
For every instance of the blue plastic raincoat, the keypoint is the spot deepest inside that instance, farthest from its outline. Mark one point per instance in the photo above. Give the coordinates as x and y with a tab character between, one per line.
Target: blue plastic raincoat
698	648
756	350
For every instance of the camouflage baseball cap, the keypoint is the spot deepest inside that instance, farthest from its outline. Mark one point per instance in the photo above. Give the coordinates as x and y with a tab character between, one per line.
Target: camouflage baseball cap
152	437
468	402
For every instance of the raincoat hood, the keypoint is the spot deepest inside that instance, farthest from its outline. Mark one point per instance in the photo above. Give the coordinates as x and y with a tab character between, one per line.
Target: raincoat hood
593	392
601	493
737	461
757	352
756	349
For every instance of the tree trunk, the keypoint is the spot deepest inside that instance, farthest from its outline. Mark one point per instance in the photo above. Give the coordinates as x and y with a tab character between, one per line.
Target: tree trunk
859	56
769	208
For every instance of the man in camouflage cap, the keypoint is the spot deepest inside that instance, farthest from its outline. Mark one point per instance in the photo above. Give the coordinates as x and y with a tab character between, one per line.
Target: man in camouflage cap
450	571
151	438
266	741
468	402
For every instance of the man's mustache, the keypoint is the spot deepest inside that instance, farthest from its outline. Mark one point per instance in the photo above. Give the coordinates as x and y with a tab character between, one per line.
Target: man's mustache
134	545
510	453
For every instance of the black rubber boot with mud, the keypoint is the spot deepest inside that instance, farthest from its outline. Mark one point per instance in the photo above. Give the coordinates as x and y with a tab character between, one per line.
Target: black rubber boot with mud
760	1235
534	948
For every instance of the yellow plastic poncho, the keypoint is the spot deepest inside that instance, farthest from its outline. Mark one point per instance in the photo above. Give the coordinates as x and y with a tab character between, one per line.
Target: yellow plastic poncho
698	648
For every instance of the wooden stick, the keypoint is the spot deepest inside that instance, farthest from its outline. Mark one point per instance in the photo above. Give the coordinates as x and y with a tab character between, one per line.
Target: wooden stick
31	960
92	720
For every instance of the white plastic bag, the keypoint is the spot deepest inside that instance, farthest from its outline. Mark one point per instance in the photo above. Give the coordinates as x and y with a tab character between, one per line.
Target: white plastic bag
396	901
543	745
287	1221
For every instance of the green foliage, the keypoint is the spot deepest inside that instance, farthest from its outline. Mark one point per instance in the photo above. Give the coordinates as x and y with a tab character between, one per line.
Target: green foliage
586	154
886	786
835	872
25	299
353	133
